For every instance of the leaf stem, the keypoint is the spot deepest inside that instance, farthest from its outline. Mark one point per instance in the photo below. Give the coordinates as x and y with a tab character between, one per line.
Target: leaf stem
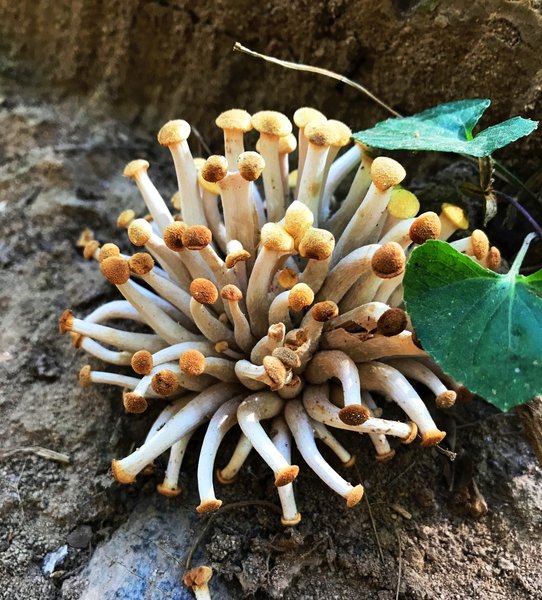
516	265
534	223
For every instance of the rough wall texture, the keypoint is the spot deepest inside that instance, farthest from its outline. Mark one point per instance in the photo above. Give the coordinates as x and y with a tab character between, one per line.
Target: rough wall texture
158	59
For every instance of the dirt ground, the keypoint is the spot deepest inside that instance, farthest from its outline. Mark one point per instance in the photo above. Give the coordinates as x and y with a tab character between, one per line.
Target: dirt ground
411	538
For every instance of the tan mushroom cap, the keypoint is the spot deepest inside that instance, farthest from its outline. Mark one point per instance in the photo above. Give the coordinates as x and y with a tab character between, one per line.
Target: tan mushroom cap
236	256
392	322
173	236
286	475
322	133
65	321
426	227
85	376
412	435
354	495
174	132
386	172
388	261
456	215
271	122
142	362
403	204
250	165
125	218
300	296
203	291
215	168
287	144
136	404
287	278
192	362
324	311
90	249
119	472
139	232
480	244
274	237
208	506
197	237
287	357
493	258
446	399
317	244
108	250
198	576
354	414
135	167
141	263
343	133
168	490
165	382
231	292
86	236
115	269
234	118
276	371
304	115
298	218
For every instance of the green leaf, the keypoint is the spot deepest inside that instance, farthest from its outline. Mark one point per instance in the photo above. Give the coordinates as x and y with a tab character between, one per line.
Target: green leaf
482	328
446	128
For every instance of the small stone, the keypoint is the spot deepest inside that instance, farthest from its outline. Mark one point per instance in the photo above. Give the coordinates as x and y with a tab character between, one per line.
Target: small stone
80	537
505	564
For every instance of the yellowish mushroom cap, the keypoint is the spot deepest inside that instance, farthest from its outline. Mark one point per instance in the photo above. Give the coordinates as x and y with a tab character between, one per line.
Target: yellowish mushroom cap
454	214
231	292
304	115
250	165
197	577
90	249
287	144
322	133
317	244
236	256
142	362
386	172
174	132
343	133
141	263
125	218
480	244
139	232
165	382
197	237
324	311
108	250
426	227
403	204
136	404
300	296
235	118
287	278
173	235
354	495
192	362
65	321
214	169
298	219
135	167
204	291
85	376
388	261
115	269
275	238
271	122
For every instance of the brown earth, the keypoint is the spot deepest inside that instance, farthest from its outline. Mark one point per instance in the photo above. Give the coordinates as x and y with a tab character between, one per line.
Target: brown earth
75	74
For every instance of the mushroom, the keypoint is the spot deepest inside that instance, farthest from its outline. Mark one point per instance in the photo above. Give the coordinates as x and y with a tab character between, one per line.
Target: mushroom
234	122
302	117
198	579
452	219
402	205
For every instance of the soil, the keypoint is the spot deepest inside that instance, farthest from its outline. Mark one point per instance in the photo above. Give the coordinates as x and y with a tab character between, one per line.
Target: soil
415	536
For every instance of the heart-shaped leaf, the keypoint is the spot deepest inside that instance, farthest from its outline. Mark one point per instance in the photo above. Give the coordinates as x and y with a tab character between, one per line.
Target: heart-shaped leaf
446	128
482	328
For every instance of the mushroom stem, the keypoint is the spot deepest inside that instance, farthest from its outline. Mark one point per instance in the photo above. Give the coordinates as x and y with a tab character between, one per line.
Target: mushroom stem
326	365
265	405
452	219
241	327
228	474
266	345
323	434
339	169
110	356
379	440
283	441
210	326
170	485
382	378
187	419
301	428
222	421
315	273
88	376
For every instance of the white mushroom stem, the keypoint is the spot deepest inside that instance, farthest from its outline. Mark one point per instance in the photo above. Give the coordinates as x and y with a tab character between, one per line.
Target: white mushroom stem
323	434
123	340
222	421
363	349
110	356
260	406
210	326
346	272
320	408
214	218
167	413
312	178
339	169
365	316
266	345
387	287
399	233
377	376
187	419
228	474
272	177
283	441
172	292
358	190
241	327
315	273
301	428
170	485
116	309
153	200
379	440
325	366
106	378
414	369
279	311
235	248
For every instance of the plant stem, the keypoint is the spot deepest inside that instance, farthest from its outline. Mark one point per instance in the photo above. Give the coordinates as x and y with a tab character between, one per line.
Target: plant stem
534	223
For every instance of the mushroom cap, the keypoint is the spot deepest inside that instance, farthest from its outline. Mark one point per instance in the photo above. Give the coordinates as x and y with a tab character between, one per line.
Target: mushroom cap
480	244
287	357
90	249
231	292
304	115
85	376
392	322
386	172
197	237
125	218
139	232
250	165
287	277
275	370
142	362
287	144
65	321
141	263
234	118
432	438
168	490
343	133
119	472
317	244
271	122
108	250
192	362
203	291
321	133
403	204
493	258
388	261
165	382
354	495
215	168
174	132
286	475
276	332
456	215
446	399
173	235
300	296
298	218
354	414
135	167
135	404
208	506
115	269
324	311
198	576
426	227
275	238
236	256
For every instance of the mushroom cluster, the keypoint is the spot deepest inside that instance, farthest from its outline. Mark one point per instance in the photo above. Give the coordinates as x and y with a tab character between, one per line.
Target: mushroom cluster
276	307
